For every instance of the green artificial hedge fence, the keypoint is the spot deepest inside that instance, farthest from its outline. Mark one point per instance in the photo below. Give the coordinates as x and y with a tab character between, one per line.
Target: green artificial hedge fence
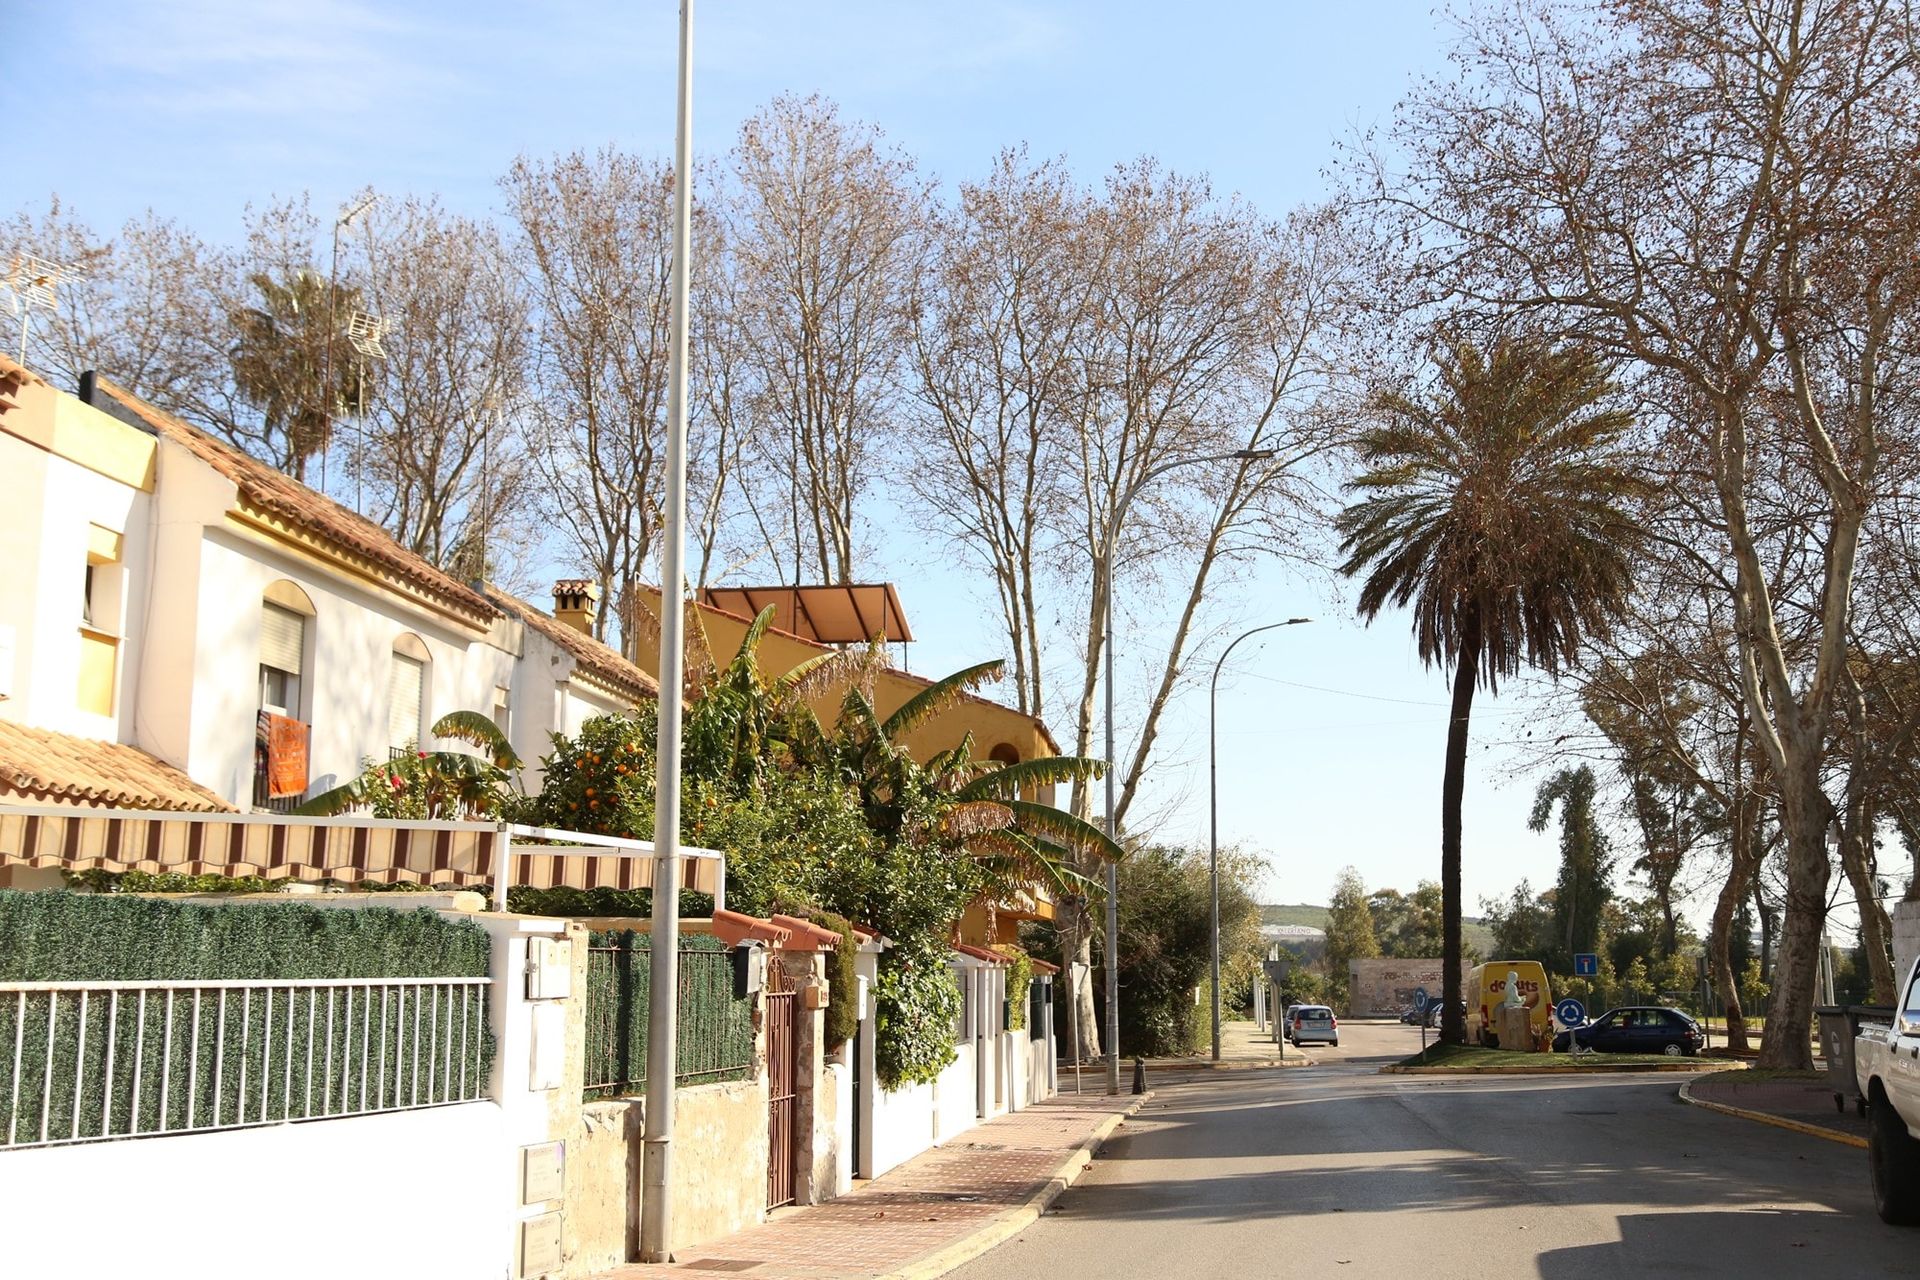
715	1031
285	1054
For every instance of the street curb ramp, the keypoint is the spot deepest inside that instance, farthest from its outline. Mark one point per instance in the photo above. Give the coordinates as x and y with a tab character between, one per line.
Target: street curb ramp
1763	1117
1012	1222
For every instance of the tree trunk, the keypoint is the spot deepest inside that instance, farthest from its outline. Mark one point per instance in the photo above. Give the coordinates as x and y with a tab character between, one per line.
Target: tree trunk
1786	1045
1453	1027
1720	950
1766	927
1874	925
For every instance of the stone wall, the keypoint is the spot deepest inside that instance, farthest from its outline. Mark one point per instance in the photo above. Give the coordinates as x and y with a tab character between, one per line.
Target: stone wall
1386	986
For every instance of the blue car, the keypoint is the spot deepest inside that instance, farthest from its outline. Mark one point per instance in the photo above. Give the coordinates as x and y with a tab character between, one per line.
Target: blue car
1637	1029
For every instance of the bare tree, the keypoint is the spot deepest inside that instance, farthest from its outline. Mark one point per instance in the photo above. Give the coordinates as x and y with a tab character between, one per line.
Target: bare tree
147	307
824	227
1000	320
438	449
1722	195
595	245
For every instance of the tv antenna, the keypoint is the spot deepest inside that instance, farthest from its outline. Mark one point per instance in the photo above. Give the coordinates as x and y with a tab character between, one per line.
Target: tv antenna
34	281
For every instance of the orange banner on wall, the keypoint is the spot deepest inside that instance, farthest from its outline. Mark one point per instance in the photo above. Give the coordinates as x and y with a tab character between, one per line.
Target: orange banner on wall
286	742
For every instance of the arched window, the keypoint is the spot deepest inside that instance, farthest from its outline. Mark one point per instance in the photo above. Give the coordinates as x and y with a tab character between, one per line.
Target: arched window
407	692
286	617
1005	753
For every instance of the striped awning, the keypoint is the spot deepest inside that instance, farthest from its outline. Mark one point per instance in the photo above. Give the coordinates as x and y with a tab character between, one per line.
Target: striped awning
456	854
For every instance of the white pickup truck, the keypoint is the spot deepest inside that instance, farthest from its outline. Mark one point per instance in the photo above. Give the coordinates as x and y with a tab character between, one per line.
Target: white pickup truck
1886	1063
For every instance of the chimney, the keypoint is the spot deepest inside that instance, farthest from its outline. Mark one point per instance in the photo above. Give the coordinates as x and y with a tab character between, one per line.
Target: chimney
575	601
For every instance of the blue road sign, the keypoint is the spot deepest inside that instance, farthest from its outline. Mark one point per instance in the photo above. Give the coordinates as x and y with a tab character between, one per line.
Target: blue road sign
1586	965
1421	999
1570	1012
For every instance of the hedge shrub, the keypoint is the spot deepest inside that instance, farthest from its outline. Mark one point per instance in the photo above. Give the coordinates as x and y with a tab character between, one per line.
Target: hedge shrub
261	1069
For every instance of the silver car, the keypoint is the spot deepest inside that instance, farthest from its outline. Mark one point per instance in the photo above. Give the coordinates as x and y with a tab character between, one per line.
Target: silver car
1313	1024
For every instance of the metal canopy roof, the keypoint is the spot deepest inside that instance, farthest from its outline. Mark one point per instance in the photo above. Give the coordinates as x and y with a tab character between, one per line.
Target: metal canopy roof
850	614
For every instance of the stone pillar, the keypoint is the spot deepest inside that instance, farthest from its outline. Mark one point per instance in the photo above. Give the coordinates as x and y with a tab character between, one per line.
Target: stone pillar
1906	942
1515	1028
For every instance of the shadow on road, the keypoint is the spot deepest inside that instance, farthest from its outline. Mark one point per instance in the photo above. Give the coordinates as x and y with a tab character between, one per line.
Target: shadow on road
1695	1244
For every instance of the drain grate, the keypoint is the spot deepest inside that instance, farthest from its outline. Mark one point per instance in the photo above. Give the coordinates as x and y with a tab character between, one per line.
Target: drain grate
720	1264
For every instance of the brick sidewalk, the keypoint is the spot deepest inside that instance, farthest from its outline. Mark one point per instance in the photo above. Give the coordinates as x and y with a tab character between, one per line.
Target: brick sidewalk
974	1191
1803	1101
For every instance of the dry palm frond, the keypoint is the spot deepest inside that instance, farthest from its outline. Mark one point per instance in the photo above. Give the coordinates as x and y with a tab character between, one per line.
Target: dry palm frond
974	818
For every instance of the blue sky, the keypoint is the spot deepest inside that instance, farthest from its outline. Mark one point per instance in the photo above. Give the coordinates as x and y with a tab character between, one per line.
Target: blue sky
196	107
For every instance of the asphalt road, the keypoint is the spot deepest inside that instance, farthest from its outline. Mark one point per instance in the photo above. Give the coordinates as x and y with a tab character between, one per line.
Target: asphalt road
1334	1169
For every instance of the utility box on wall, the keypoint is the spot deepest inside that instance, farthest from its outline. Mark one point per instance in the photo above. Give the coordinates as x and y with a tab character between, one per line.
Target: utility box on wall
549	968
540	1246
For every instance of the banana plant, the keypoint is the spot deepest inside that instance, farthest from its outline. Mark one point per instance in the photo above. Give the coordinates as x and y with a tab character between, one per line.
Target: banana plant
433	784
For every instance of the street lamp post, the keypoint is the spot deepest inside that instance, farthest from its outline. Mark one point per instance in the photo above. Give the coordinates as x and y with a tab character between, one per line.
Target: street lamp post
656	1172
1110	535
1213	810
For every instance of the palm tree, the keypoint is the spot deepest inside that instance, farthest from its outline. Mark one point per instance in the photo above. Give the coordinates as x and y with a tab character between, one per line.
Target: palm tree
282	365
1496	507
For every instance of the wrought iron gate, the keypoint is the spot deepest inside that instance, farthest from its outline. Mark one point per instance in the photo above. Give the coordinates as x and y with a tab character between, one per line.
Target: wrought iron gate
783	1068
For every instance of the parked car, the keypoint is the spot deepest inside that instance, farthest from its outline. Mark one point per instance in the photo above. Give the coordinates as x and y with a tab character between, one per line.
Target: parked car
1313	1023
1636	1029
1884	1067
1411	1016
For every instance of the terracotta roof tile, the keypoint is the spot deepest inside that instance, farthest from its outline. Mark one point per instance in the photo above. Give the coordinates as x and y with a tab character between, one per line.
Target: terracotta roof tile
589	653
40	766
280	495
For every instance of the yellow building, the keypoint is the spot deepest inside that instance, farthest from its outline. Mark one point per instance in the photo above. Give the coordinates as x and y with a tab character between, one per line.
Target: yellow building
810	621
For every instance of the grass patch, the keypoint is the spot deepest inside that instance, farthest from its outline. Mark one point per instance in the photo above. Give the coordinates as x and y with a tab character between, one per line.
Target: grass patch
1460	1056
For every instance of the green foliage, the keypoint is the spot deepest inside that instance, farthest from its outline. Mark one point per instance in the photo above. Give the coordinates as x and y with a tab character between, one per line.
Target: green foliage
1019	984
1165	933
1408	926
1586	861
434	785
916	1003
600	781
598	903
1349	931
843	983
79	937
847	823
1754	989
60	937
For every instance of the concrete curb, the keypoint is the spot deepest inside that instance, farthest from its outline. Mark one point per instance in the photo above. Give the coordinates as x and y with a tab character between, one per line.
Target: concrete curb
1590	1069
1782	1122
997	1231
1208	1064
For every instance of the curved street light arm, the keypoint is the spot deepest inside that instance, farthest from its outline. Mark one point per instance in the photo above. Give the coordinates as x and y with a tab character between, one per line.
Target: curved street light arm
1213	817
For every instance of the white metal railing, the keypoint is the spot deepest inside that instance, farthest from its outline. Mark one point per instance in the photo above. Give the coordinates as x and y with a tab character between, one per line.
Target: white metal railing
93	1061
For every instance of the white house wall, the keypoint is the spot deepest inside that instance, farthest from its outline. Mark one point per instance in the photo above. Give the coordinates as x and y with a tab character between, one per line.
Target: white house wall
43	558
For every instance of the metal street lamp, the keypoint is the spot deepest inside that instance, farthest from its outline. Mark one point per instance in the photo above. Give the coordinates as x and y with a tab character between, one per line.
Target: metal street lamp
656	1226
1213	811
1111	533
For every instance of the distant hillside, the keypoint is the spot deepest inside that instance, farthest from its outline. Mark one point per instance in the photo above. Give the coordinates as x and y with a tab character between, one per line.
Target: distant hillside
1473	929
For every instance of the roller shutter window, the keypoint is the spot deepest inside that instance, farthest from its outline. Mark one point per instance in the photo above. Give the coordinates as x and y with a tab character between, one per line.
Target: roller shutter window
405	687
283	639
